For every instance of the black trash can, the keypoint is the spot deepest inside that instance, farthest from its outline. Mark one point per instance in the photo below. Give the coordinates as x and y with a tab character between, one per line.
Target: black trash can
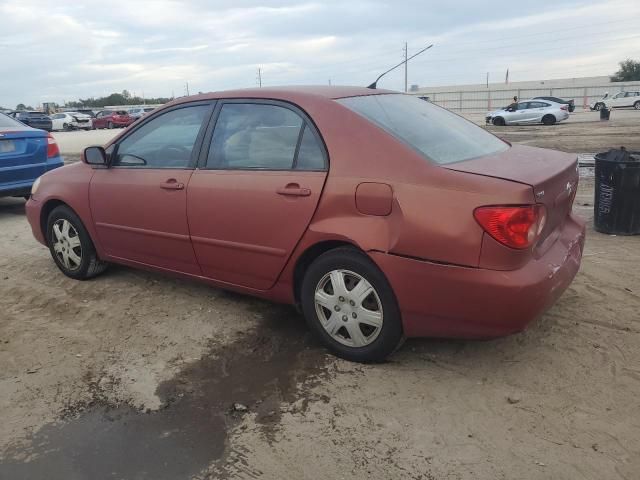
617	205
605	113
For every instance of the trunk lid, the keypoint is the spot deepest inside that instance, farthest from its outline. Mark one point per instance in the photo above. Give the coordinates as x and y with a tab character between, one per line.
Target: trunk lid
23	154
552	175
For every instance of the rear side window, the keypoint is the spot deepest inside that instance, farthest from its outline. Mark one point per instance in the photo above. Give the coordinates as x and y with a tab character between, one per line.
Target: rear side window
163	142
8	122
441	136
254	136
310	153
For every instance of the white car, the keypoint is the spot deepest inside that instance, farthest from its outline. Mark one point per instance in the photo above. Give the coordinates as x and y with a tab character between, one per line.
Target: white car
529	111
140	112
70	121
623	99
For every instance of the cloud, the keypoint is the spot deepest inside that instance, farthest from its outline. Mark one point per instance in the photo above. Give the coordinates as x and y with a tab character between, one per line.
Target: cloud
86	49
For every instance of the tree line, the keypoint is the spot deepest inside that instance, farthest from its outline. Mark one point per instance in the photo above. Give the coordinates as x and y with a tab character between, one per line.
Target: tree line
123	98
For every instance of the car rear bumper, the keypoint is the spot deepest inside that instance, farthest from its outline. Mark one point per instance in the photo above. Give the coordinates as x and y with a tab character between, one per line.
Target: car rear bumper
23	187
438	300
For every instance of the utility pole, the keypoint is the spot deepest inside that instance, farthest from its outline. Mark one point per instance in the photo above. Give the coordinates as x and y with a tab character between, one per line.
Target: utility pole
187	86
259	77
487	79
406	54
329	82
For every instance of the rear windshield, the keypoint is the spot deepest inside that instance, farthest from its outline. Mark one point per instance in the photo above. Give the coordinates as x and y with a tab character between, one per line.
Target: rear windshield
8	122
122	112
441	136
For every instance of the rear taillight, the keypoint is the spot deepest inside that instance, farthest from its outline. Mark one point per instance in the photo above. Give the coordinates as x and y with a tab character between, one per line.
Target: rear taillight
513	226
564	107
52	147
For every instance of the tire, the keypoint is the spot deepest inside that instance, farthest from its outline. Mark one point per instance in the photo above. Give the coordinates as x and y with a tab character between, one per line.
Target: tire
548	119
65	127
109	125
636	105
597	107
499	122
351	338
84	263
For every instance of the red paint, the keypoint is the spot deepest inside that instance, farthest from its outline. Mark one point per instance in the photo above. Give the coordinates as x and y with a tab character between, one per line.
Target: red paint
374	198
245	230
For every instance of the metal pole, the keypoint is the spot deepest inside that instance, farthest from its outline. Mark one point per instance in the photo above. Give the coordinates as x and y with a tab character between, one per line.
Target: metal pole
406	53
260	77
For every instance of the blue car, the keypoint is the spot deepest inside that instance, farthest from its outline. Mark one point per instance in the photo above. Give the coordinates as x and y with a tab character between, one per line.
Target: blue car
25	154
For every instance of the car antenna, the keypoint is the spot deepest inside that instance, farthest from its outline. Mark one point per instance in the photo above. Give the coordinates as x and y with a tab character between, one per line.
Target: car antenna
375	84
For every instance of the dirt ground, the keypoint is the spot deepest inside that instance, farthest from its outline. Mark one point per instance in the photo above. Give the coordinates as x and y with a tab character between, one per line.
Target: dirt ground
135	375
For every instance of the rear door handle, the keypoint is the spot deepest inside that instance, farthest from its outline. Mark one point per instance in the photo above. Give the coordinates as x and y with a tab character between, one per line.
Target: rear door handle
294	190
172	184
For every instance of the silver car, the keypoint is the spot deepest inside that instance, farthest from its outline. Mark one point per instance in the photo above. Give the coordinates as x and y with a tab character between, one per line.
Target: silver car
529	111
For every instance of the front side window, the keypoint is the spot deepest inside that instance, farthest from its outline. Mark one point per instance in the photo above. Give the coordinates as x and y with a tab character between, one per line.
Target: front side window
254	136
441	136
166	141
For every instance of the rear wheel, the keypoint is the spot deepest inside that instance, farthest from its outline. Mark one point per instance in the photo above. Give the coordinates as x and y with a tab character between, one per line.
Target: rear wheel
349	304
499	122
548	119
65	127
109	125
70	245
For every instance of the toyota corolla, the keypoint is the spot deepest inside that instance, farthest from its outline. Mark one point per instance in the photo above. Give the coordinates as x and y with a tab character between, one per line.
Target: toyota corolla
380	215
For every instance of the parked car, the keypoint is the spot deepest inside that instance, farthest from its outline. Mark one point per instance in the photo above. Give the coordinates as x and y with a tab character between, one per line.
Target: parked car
570	103
112	118
33	119
383	216
136	113
25	154
622	99
87	111
529	111
70	121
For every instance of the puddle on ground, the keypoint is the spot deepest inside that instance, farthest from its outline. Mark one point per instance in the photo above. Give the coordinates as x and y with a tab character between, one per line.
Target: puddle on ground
261	371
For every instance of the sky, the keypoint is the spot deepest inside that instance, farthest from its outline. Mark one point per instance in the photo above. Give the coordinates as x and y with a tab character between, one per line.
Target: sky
57	51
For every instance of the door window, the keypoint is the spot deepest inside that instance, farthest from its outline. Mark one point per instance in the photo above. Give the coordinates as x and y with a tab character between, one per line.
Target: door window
255	136
538	105
523	106
166	141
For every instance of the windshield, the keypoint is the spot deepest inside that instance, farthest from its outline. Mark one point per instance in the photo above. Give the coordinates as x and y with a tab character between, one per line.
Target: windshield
441	136
7	122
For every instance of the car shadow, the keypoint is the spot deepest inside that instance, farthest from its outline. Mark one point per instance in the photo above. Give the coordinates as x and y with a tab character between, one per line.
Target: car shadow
11	207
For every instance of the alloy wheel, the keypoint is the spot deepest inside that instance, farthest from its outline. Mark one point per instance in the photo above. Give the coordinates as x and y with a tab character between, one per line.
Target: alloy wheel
349	308
66	244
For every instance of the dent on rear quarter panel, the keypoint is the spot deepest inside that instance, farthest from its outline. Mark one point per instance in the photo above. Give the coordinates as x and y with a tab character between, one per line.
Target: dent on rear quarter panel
70	185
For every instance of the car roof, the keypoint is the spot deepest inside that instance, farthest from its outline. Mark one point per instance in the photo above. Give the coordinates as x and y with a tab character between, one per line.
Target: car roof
291	93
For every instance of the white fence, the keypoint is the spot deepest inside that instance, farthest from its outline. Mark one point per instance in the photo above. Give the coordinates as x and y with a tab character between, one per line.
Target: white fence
478	100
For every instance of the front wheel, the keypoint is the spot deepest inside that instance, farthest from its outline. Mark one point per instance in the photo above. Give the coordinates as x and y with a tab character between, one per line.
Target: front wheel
499	122
70	245
109	125
597	107
636	105
350	306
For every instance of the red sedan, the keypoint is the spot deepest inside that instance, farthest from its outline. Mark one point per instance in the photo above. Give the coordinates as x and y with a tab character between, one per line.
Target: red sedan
112	118
382	216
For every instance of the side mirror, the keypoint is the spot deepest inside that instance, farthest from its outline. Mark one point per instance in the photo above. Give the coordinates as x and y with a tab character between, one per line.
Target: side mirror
95	156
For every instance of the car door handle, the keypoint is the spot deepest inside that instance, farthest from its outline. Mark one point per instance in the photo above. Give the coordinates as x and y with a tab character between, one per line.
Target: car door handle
172	184
294	190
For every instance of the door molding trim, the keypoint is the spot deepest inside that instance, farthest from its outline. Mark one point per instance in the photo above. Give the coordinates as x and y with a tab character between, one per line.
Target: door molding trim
143	231
275	252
